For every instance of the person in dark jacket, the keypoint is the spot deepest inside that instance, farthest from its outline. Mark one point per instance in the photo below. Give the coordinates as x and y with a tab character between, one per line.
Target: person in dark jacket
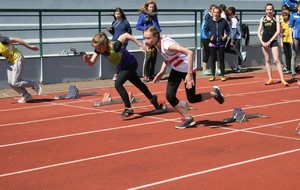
148	17
119	26
217	30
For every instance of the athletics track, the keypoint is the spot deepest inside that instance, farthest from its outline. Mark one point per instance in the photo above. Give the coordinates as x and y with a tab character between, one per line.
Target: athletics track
69	144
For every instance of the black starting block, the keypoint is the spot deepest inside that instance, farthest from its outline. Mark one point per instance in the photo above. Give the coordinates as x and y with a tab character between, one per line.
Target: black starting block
73	94
240	116
107	100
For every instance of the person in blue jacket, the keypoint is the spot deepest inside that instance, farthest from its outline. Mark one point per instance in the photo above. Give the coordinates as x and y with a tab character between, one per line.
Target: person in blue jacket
148	17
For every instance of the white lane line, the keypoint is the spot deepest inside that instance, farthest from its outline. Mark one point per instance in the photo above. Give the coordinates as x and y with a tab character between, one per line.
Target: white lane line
160	120
135	150
215	169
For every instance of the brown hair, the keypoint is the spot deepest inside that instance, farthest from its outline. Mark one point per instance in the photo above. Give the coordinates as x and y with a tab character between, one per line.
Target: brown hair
144	7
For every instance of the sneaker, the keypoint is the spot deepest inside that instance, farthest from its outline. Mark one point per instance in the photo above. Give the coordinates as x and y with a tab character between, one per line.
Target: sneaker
286	71
238	70
220	98
218	72
154	101
269	82
223	78
244	55
185	123
146	79
206	72
284	83
36	87
25	98
212	78
115	77
127	113
293	76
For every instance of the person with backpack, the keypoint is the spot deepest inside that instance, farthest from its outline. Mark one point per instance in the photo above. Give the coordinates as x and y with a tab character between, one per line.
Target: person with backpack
148	17
235	37
268	30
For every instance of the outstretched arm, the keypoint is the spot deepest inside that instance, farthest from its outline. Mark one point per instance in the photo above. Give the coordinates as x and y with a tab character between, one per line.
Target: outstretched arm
127	36
22	42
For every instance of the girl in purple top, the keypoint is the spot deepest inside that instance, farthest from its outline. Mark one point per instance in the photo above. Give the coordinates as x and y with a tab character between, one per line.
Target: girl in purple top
125	63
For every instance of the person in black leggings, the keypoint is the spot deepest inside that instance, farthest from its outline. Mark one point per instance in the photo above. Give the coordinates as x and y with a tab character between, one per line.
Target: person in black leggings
125	63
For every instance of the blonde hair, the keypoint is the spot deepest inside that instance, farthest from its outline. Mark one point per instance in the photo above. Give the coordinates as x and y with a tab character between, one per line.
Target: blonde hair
102	40
144	7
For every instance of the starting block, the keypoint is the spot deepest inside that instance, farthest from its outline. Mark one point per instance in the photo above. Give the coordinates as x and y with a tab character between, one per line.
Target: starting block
240	116
73	94
107	100
163	108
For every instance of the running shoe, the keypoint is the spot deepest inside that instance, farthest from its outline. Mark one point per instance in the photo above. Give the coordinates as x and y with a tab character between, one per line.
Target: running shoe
223	78
127	113
269	82
115	77
206	72
284	83
220	97
212	78
25	98
185	123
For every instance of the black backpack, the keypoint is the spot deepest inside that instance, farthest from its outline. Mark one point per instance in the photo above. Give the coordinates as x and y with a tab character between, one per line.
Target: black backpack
245	33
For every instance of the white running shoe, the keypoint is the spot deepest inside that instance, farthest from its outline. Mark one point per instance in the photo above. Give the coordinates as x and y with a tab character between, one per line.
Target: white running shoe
115	77
25	98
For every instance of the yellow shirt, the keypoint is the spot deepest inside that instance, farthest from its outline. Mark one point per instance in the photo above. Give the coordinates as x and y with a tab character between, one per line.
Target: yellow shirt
285	33
9	51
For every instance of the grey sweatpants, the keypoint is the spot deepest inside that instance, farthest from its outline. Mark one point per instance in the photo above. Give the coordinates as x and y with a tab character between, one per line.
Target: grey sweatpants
14	74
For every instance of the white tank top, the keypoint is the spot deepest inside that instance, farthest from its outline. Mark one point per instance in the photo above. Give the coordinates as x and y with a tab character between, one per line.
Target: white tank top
178	61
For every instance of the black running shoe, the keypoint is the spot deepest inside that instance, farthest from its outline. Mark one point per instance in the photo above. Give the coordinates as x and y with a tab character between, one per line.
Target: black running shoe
127	113
220	98
155	102
185	123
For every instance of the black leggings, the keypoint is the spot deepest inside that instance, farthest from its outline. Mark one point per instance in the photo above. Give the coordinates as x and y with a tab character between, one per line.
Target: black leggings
206	52
131	75
214	53
174	81
149	66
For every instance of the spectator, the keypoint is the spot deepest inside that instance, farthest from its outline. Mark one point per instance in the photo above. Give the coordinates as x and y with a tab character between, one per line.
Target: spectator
217	30
268	30
148	17
119	26
295	38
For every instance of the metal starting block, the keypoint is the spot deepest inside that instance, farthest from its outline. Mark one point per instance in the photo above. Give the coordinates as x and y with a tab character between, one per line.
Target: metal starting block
107	100
74	93
240	116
